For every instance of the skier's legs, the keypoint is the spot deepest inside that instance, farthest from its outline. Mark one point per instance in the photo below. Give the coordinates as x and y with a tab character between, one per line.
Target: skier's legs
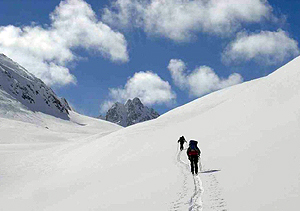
196	164
192	165
181	146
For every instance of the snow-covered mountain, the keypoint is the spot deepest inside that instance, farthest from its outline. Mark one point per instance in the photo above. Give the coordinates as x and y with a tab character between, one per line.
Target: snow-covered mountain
248	134
132	112
31	112
16	83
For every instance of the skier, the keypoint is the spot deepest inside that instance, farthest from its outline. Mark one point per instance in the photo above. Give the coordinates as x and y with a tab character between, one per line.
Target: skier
193	153
181	141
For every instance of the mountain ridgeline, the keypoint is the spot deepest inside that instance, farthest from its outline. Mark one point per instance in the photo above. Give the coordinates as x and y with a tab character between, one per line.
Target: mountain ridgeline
17	84
132	112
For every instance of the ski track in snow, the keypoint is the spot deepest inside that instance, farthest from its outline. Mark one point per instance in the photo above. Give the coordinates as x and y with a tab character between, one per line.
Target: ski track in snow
194	203
214	200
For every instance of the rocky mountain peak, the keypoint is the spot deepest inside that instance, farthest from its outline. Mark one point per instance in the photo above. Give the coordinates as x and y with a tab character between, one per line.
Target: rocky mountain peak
137	101
132	112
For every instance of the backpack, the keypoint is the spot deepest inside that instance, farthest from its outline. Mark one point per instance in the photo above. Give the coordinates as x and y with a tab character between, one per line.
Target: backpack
193	149
193	152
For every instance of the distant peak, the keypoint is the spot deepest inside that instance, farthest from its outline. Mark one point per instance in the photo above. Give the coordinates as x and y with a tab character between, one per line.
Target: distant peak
136	100
131	113
129	101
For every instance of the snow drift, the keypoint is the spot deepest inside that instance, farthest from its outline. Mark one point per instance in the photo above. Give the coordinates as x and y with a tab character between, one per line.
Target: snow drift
248	135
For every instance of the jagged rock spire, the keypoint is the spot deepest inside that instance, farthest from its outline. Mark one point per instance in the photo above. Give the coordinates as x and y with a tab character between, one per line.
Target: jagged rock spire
132	112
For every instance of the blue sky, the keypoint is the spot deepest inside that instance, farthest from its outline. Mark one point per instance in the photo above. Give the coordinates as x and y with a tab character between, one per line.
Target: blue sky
166	52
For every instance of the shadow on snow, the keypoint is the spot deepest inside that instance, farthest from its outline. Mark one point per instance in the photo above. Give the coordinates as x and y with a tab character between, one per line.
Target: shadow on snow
209	171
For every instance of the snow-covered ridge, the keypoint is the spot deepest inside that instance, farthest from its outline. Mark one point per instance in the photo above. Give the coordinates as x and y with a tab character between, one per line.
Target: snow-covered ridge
29	90
131	113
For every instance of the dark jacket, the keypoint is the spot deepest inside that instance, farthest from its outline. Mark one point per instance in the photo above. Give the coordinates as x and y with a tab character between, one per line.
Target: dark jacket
181	140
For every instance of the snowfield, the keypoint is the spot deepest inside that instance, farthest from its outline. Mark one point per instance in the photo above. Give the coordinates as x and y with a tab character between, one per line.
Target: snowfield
248	134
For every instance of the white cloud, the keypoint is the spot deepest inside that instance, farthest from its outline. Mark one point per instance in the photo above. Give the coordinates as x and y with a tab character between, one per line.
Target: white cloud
265	47
200	81
46	51
180	19
147	86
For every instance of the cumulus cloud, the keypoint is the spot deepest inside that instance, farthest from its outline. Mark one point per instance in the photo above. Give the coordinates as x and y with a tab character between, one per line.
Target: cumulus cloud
46	50
201	80
180	19
147	86
265	47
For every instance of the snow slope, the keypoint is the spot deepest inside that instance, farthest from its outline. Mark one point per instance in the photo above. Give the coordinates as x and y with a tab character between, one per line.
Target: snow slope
248	135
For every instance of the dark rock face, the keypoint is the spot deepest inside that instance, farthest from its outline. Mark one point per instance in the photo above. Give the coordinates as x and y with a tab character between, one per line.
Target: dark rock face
29	90
131	113
117	114
66	104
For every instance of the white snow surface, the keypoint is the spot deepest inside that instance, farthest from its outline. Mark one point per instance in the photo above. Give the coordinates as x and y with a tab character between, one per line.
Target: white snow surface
248	134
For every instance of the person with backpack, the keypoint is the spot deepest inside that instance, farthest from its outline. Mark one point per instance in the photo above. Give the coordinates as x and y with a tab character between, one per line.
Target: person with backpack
193	153
181	141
